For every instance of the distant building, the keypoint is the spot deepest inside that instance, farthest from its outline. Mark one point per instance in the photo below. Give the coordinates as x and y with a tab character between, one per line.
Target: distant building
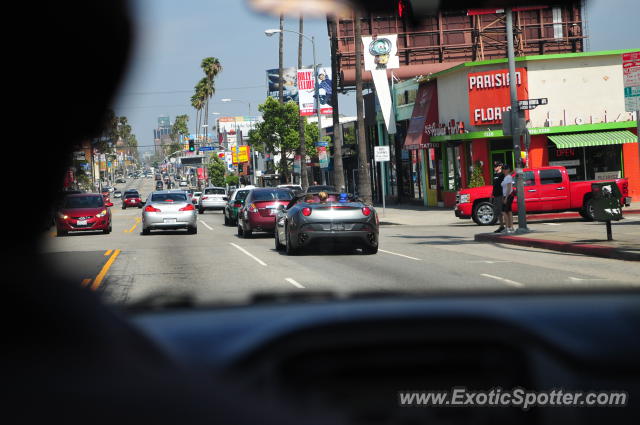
162	134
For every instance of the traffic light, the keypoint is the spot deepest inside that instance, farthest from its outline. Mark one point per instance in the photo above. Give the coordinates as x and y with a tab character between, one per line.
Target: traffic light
192	146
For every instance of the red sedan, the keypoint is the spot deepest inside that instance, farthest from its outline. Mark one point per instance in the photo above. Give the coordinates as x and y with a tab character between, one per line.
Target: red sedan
131	200
83	212
259	211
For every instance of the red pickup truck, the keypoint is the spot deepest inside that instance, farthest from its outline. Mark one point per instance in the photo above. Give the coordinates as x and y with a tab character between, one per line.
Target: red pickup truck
546	189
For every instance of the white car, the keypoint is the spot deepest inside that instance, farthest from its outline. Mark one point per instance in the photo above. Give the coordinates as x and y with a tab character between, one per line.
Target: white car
183	183
196	197
212	198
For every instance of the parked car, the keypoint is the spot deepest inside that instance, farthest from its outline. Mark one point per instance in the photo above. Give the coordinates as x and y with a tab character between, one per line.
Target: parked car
546	189
132	199
235	202
212	198
259	210
342	219
83	212
169	210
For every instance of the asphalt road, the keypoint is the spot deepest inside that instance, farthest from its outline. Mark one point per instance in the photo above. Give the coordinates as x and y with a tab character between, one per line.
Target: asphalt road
216	266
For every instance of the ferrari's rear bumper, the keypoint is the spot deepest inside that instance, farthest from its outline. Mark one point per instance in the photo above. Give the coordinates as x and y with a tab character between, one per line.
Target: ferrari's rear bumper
365	236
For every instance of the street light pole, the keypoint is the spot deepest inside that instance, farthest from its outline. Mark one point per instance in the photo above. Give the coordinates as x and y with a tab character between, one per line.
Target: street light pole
513	90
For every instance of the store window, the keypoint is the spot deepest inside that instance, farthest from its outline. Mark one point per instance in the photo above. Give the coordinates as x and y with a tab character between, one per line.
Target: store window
454	182
589	163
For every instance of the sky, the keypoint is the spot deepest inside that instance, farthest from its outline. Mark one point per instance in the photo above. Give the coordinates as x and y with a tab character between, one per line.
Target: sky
172	37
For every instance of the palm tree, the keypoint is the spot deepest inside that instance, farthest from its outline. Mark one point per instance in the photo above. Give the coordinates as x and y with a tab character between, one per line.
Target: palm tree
197	102
211	67
364	179
206	91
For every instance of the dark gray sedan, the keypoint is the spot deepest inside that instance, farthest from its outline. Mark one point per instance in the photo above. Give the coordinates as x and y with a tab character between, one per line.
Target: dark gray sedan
340	218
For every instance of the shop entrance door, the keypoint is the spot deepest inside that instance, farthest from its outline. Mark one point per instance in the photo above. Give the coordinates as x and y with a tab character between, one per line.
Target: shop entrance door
504	156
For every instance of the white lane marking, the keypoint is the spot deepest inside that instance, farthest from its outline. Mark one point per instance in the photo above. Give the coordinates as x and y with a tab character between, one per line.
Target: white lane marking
579	279
502	279
551	224
262	263
490	261
294	283
399	255
206	225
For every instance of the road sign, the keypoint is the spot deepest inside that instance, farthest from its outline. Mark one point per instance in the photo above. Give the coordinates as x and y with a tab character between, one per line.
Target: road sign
206	148
528	104
631	81
381	153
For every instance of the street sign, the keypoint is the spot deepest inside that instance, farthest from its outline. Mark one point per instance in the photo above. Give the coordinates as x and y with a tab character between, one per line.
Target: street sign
79	156
381	153
528	104
206	148
631	81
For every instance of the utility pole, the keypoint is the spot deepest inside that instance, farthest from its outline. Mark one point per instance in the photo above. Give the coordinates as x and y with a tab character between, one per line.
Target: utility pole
304	178
513	91
364	180
280	60
338	170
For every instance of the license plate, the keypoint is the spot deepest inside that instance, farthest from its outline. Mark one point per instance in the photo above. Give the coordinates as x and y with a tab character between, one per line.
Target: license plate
337	226
169	220
82	222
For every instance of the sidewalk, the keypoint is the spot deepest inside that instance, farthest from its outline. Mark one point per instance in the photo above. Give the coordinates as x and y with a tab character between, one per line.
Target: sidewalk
587	238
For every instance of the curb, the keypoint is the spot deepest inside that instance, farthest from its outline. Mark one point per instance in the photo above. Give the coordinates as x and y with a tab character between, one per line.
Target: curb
571	215
585	249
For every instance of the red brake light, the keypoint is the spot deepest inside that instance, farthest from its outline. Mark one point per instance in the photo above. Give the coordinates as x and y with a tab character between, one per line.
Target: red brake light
150	208
306	211
189	207
204	197
237	204
366	211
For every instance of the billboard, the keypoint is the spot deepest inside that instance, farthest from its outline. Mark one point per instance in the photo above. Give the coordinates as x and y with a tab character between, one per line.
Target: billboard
489	95
244	154
232	125
306	91
290	89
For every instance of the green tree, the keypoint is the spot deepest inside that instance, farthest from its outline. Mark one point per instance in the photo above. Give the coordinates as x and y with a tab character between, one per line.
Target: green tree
231	180
217	168
278	132
477	177
180	127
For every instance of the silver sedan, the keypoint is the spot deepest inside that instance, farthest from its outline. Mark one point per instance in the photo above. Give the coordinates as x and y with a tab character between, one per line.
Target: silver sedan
169	209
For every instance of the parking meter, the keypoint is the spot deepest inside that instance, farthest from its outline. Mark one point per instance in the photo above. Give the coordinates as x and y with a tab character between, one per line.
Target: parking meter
605	201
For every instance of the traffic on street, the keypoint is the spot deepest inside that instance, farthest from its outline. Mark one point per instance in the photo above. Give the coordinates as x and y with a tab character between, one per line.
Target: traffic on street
325	212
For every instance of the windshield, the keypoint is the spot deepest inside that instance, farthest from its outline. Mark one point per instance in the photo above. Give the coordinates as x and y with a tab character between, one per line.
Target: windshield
277	195
83	202
417	199
168	197
214	192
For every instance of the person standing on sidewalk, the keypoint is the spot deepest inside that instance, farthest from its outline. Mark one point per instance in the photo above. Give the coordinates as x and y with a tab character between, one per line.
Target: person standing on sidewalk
507	196
496	194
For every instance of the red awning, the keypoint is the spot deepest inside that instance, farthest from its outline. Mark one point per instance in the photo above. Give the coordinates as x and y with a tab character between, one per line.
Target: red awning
425	111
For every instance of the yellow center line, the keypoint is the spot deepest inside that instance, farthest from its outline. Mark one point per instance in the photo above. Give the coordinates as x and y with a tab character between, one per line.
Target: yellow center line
134	226
85	282
105	269
108	253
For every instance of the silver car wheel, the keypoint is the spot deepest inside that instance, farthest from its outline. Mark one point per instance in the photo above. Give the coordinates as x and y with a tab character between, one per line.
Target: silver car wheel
485	214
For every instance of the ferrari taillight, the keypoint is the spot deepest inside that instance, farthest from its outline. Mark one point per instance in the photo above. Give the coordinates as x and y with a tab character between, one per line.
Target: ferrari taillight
366	211
306	211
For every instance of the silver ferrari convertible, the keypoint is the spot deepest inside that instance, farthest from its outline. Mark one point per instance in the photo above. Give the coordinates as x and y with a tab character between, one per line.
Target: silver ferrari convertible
340	218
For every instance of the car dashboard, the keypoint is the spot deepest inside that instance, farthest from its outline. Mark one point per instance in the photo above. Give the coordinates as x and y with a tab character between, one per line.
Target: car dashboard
352	357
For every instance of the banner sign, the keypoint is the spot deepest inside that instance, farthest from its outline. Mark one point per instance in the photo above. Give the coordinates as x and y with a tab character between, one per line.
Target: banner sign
297	164
307	91
323	157
244	154
631	79
381	54
424	116
489	95
290	90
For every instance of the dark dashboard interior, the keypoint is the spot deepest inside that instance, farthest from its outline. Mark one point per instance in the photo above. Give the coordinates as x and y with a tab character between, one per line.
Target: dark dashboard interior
353	357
